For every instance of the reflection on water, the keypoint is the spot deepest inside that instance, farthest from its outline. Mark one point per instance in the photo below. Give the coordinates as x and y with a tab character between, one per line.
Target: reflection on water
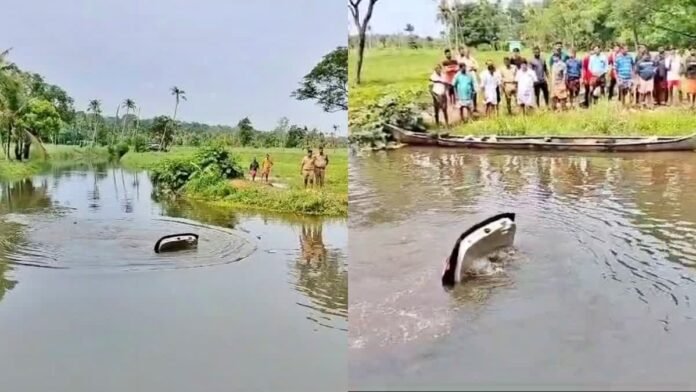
52	220
612	233
321	276
262	294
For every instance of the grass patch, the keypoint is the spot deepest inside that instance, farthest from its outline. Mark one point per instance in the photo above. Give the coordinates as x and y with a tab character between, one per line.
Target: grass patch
400	72
288	196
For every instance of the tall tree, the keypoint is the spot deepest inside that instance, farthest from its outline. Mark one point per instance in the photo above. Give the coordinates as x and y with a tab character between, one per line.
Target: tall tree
38	119
129	105
361	25
246	131
94	107
327	82
179	95
161	129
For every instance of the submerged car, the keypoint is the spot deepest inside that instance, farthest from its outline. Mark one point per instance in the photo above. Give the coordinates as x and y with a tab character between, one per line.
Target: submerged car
479	241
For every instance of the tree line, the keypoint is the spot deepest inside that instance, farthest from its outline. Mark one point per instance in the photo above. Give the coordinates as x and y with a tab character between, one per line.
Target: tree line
33	112
578	23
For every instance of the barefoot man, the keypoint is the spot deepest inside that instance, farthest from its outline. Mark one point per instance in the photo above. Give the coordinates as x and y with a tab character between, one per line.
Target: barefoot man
266	166
321	160
307	168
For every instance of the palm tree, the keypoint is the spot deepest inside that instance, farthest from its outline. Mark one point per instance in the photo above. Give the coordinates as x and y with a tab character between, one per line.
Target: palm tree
94	107
179	95
129	105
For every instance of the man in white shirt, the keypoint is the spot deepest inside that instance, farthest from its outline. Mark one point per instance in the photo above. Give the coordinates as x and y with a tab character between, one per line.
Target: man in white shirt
674	64
490	86
438	90
525	79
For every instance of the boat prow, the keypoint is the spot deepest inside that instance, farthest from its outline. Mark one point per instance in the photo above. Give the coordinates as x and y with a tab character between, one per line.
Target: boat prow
477	242
176	242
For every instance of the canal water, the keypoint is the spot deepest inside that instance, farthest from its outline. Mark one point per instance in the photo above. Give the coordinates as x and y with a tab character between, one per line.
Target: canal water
86	304
599	293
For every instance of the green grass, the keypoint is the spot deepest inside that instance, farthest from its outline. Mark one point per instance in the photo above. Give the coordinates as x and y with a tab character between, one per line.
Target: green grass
396	71
291	197
57	154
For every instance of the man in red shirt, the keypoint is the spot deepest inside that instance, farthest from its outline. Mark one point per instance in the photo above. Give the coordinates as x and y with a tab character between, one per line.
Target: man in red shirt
586	78
450	67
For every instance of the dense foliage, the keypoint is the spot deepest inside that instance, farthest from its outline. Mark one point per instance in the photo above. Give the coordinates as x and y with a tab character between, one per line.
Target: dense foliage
580	23
402	109
327	82
210	168
32	111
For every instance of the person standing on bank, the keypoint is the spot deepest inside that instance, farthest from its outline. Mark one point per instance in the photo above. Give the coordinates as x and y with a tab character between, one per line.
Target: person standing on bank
598	66
266	166
307	168
253	169
674	68
439	90
541	71
321	160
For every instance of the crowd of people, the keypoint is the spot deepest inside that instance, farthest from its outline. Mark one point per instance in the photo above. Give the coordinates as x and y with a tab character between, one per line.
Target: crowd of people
312	168
564	80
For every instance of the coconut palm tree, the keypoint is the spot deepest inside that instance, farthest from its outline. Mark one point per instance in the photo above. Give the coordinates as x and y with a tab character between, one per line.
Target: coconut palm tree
129	105
179	95
94	107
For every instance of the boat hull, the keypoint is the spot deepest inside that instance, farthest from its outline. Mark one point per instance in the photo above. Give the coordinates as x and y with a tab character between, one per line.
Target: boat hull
554	143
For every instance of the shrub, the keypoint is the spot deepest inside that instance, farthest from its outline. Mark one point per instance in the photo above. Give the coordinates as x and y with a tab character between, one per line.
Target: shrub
172	174
118	151
219	156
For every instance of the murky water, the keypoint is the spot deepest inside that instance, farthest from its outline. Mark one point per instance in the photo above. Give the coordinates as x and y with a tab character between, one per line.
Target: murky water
599	294
86	304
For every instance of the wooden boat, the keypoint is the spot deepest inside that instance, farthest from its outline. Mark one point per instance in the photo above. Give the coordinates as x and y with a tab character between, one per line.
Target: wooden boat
176	242
479	241
548	143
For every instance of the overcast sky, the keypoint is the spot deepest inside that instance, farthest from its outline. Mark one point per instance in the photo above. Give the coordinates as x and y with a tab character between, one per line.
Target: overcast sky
233	58
391	16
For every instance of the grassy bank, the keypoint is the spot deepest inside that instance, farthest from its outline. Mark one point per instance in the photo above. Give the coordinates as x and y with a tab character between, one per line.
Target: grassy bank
287	194
56	154
399	72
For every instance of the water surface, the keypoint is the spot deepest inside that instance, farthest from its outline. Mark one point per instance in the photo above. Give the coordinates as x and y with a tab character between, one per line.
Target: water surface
86	305
599	293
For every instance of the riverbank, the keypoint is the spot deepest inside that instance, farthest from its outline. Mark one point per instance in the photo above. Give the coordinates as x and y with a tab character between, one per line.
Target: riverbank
287	193
11	170
400	76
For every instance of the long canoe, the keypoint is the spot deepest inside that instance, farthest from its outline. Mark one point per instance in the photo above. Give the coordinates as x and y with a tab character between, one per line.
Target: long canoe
548	143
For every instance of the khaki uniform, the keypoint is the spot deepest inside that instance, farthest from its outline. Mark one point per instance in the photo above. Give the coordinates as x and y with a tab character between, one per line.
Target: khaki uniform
320	162
308	167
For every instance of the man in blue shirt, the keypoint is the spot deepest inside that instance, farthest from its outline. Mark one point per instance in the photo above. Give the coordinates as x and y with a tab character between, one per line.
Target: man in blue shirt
623	65
598	67
574	72
646	68
464	90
